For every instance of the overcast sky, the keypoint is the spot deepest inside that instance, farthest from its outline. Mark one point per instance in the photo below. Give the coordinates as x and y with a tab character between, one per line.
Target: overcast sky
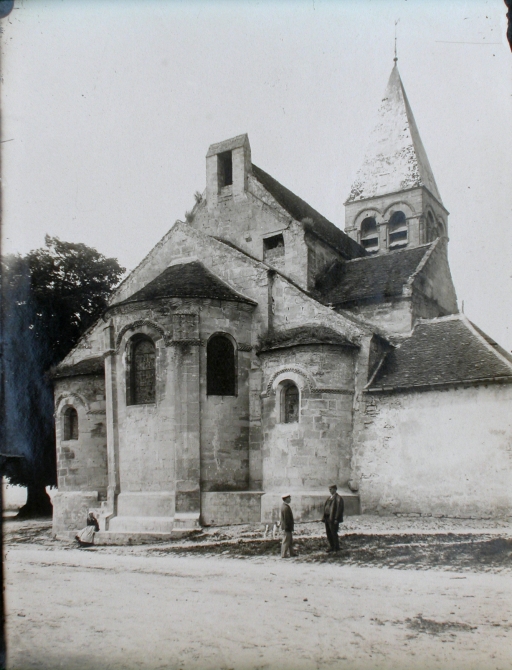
109	109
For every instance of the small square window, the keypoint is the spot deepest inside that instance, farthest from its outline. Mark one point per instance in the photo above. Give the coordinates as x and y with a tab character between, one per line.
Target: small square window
273	248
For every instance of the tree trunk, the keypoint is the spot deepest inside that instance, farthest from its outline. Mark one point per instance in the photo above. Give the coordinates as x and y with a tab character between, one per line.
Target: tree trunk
38	503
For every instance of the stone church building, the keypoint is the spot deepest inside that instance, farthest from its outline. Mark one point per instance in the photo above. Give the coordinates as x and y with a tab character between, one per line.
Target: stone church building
258	349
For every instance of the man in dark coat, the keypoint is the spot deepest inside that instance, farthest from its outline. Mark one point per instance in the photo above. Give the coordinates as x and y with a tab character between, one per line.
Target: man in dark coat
287	527
333	516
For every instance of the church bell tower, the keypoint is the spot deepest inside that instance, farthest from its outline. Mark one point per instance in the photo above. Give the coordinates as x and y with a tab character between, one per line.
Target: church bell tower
394	202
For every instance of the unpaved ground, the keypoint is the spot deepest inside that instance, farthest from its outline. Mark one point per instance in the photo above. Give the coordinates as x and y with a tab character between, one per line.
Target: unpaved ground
190	605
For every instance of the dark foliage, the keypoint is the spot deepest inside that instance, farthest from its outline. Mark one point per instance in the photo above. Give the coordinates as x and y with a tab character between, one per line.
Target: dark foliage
50	297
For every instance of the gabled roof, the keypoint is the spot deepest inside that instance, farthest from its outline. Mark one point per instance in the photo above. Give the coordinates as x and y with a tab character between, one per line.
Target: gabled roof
89	366
372	277
306	334
441	351
395	159
300	210
186	280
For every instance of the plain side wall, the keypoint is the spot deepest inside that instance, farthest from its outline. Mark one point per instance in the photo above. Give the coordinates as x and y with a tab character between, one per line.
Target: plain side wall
315	450
443	452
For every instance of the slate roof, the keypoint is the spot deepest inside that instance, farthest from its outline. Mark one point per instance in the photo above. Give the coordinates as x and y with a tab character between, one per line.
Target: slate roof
373	277
300	210
441	351
307	334
186	280
395	158
89	366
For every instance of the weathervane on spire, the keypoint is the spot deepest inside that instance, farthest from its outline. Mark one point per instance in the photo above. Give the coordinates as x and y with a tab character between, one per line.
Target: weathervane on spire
396	57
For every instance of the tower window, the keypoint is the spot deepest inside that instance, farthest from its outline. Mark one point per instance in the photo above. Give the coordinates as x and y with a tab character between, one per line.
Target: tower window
273	248
143	375
369	234
71	424
220	366
290	400
397	229
432	229
225	169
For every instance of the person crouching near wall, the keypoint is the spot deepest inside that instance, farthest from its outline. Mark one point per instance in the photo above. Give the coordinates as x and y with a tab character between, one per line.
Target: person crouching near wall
85	537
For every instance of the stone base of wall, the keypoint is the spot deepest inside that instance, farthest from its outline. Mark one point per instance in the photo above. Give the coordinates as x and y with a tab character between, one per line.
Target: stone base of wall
143	512
221	508
306	505
145	503
141	524
70	509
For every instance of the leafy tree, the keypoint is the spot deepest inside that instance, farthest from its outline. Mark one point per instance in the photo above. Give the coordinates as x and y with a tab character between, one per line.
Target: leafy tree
50	298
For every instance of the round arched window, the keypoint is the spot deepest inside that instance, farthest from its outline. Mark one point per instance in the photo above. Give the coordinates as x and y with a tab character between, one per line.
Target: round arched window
432	229
290	403
70	424
220	366
369	234
143	375
397	230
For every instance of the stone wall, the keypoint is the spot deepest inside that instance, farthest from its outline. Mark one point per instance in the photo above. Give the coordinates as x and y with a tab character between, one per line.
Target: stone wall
82	463
225	419
315	450
441	453
393	316
218	509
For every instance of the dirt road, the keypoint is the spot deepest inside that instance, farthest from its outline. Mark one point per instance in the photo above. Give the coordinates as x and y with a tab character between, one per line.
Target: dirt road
102	610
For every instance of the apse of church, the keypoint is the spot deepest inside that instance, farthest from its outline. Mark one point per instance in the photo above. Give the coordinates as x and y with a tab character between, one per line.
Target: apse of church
259	348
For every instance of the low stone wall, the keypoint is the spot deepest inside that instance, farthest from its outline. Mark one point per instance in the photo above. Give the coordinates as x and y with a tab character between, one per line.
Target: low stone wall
70	509
221	508
443	453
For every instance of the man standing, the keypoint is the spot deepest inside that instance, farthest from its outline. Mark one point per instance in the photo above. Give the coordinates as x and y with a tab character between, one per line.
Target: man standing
287	527
333	516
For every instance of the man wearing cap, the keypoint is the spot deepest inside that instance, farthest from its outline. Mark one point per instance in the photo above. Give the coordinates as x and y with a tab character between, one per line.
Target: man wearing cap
333	516
286	527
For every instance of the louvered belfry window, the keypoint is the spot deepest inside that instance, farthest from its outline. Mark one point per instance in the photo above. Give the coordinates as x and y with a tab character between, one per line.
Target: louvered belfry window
143	372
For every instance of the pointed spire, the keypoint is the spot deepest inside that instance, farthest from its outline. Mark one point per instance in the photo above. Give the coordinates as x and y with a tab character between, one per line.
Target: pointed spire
395	59
395	158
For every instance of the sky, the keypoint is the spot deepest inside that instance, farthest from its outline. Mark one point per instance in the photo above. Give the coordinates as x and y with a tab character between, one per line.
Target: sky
109	107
